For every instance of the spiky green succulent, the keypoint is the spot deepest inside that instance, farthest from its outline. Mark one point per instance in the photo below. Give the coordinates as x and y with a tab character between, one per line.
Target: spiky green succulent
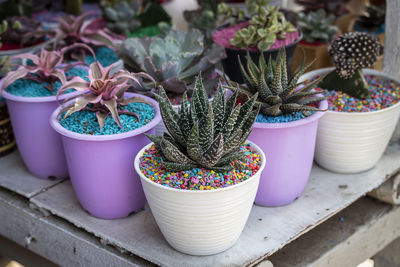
172	60
204	135
121	16
317	26
277	94
266	24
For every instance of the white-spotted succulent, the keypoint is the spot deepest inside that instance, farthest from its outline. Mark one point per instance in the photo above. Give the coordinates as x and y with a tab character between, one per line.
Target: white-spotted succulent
277	94
203	134
352	52
103	94
173	60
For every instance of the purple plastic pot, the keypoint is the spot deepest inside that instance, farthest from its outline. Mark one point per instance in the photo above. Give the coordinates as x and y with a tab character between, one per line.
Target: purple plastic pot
102	168
40	146
289	150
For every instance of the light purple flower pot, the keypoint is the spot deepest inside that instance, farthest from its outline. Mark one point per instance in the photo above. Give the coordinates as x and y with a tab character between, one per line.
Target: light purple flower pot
102	168
40	146
289	150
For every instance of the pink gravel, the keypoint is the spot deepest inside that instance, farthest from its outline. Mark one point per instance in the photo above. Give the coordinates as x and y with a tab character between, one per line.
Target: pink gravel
223	37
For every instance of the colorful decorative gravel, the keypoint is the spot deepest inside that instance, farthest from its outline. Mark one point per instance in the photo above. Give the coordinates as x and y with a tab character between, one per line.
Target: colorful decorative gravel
384	93
281	119
30	88
199	178
104	55
224	35
85	122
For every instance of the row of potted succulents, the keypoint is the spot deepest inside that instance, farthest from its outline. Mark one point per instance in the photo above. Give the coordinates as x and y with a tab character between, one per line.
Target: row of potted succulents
224	145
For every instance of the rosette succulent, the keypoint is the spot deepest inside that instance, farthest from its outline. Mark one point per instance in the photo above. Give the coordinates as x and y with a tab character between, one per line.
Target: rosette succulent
121	16
335	7
266	24
43	68
74	30
317	26
276	93
352	52
173	60
103	94
203	134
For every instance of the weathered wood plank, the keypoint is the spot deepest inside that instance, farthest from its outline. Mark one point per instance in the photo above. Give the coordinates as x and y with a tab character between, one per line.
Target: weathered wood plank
347	239
389	256
15	177
267	230
56	239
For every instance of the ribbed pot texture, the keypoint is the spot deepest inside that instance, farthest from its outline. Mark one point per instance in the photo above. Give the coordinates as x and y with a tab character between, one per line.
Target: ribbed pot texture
101	167
201	222
354	142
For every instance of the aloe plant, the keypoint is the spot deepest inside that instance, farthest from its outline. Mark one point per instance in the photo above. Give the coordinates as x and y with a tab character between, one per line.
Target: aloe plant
204	134
74	30
103	94
277	94
43	68
352	52
317	26
266	24
173	60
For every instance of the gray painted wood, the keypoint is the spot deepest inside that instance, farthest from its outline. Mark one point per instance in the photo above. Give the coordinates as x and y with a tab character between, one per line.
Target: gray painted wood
15	177
56	239
347	239
389	192
391	60
389	256
267	230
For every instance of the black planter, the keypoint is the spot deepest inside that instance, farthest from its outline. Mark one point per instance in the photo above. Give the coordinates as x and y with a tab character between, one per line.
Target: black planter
231	63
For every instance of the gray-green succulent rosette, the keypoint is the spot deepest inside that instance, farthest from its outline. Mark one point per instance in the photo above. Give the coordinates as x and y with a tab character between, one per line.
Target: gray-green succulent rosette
173	60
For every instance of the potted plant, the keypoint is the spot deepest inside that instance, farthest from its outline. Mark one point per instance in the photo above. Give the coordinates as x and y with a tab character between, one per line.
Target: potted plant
266	32
101	130
82	30
200	178
21	35
373	22
173	61
30	93
318	31
364	106
285	129
133	18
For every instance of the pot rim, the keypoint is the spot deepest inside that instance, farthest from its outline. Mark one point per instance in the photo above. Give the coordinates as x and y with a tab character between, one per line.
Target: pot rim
366	71
212	191
265	125
55	124
258	51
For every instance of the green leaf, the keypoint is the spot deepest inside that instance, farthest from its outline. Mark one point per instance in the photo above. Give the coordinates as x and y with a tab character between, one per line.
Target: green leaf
214	153
193	144
173	154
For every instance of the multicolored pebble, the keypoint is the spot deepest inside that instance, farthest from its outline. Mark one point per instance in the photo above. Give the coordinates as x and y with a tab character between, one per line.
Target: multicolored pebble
199	178
384	93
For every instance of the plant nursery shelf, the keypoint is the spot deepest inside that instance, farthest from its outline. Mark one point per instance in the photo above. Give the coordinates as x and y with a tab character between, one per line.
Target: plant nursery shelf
267	229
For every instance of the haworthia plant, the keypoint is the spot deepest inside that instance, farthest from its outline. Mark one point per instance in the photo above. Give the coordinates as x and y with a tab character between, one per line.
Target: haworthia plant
204	134
277	94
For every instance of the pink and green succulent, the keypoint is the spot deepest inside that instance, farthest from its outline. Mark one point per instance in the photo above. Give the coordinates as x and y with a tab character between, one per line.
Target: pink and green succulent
43	68
74	30
104	93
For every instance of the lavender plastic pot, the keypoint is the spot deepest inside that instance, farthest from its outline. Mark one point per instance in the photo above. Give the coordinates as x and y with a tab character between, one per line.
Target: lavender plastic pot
102	168
40	146
289	150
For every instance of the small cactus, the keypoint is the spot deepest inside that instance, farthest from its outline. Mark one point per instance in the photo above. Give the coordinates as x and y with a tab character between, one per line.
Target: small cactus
351	53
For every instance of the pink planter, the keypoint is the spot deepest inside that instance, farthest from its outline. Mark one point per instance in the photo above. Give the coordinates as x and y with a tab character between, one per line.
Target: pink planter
289	150
102	168
40	146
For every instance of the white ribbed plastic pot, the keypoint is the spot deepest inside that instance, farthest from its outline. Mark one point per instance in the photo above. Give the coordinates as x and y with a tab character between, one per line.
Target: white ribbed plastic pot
351	142
202	222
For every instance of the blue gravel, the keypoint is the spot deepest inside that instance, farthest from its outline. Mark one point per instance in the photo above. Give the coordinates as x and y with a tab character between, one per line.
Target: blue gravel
29	88
104	55
280	119
85	122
